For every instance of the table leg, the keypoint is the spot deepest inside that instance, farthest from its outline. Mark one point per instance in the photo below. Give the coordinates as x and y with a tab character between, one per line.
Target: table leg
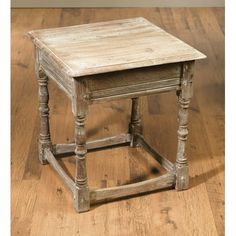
44	133
81	195
135	122
184	95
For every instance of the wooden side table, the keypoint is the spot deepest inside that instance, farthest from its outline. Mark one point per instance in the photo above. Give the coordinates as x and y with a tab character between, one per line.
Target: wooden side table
106	61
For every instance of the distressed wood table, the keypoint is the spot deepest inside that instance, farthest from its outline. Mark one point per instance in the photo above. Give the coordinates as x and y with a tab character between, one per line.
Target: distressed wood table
107	61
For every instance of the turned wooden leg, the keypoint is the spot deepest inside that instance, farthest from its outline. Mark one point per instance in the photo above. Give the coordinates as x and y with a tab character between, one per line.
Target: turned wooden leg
184	95
135	122
44	133
81	195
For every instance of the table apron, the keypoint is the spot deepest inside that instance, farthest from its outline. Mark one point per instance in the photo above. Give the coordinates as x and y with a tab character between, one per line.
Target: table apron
134	90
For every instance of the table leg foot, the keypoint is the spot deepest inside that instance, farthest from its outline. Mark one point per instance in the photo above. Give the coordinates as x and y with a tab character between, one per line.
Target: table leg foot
81	199
182	178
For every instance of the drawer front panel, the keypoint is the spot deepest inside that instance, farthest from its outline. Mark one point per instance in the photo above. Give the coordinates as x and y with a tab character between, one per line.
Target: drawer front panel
134	82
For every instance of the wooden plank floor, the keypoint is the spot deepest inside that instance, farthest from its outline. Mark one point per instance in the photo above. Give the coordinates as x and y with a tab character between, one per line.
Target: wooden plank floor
41	204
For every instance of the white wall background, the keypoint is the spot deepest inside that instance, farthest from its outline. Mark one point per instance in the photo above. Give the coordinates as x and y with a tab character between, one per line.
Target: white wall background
118	3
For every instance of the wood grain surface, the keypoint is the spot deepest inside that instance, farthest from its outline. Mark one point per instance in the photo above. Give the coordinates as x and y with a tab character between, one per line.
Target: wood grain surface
41	203
111	45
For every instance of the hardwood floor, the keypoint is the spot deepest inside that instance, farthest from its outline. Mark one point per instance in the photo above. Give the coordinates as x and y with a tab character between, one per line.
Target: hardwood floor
42	205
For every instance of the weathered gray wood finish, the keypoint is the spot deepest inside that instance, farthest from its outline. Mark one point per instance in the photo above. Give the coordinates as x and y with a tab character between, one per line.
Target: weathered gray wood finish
89	67
81	195
184	95
44	133
111	46
168	165
135	122
113	141
109	194
52	160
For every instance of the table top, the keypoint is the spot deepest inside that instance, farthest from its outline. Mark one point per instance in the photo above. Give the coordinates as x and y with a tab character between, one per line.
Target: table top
112	46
